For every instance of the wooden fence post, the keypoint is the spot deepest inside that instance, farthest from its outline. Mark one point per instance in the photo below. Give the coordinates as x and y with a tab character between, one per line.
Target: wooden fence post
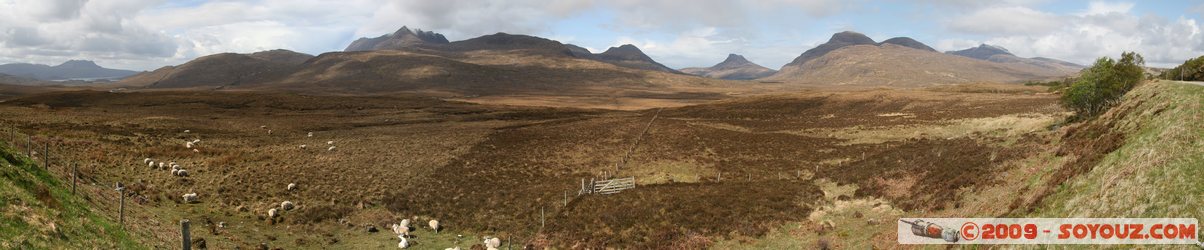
185	234
542	219
46	152
509	243
719	178
121	206
29	147
566	198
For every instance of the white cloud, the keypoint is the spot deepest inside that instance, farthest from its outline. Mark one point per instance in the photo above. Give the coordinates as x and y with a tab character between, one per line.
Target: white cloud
1006	20
1104	30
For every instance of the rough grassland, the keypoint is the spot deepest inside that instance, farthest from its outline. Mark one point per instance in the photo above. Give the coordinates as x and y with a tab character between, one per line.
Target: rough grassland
37	211
1156	172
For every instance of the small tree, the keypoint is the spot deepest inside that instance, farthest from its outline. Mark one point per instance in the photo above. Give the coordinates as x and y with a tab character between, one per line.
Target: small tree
1190	70
1101	86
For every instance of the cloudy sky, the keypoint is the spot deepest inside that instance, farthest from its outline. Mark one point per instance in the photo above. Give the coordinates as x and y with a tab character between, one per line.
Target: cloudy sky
147	34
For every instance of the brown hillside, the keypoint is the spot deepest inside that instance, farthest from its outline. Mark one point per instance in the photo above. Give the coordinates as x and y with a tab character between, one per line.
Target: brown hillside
893	65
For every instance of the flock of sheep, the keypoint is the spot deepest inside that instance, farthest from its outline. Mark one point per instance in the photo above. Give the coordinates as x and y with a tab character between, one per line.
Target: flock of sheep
402	229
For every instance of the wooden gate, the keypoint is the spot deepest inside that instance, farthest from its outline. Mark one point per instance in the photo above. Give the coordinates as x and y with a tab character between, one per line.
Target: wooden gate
613	185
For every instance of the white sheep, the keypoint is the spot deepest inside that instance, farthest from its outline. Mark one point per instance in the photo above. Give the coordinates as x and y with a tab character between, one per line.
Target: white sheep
196	141
175	172
263	126
151	164
182	173
331	148
287	205
403	244
188	144
146	160
161	166
303	146
187	131
190	198
405	223
272	213
311	134
492	243
434	225
329	142
175	167
292	186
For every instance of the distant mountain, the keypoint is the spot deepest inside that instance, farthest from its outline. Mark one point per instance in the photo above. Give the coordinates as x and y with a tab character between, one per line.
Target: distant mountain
907	42
982	52
735	67
508	64
838	40
1002	55
405	39
849	58
628	55
74	69
503	41
402	38
223	69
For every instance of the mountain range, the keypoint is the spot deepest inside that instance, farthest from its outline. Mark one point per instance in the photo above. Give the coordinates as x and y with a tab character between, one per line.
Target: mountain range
851	58
425	61
73	69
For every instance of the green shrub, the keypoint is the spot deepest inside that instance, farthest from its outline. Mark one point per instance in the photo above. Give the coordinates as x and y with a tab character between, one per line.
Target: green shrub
1190	70
1101	86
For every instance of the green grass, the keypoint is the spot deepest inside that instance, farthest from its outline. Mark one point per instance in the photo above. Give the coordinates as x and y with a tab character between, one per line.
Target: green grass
37	211
1157	172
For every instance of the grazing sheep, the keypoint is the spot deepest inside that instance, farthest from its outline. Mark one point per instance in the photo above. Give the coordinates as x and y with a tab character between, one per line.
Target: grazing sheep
196	141
175	172
492	243
151	164
188	144
161	166
311	134
403	244
146	160
272	213
263	126
182	173
331	148
434	225
329	142
269	131
287	205
187	131
302	146
292	186
405	223
175	167
190	198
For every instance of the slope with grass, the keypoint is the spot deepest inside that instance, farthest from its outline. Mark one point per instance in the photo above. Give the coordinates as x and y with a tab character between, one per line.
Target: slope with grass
1154	167
37	211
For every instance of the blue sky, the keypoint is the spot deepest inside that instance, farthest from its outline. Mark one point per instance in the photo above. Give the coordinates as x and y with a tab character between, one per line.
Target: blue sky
147	34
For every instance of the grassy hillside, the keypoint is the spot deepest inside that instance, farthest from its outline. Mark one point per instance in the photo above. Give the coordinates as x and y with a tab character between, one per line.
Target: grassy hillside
1156	169
37	211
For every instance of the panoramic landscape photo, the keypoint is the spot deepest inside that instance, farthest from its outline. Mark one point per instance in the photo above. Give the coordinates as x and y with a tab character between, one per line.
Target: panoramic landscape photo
588	124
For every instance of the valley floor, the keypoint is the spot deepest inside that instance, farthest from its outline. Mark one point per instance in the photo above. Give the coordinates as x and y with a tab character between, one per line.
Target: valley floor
786	171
